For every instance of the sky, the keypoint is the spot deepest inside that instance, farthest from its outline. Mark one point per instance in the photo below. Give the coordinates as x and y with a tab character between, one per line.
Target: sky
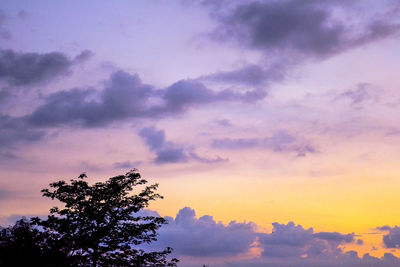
271	126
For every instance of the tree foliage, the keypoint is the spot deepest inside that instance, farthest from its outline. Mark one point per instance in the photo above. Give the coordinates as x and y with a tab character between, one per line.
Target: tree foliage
18	240
99	224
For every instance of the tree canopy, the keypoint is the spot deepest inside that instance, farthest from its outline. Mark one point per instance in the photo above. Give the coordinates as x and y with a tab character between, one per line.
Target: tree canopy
100	224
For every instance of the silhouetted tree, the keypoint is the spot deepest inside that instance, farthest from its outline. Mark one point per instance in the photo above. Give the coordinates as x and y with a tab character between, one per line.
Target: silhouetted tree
15	241
99	224
24	245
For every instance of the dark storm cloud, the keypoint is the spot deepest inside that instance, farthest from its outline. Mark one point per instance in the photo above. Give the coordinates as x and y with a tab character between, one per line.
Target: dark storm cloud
306	28
17	68
169	152
392	239
279	142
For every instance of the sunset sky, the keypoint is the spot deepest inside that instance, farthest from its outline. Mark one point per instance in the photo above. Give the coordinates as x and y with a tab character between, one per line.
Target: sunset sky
271	126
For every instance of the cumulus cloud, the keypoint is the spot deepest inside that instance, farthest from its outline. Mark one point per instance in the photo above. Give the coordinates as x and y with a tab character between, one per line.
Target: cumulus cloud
305	28
205	240
204	237
20	69
349	258
290	240
169	152
392	238
280	141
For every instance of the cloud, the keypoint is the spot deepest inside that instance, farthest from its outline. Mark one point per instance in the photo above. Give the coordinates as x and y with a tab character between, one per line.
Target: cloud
204	237
360	94
125	96
204	240
335	236
13	131
169	152
223	123
4	33
305	29
280	141
249	75
23	14
392	239
349	258
290	240
21	69
185	93
126	164
6	194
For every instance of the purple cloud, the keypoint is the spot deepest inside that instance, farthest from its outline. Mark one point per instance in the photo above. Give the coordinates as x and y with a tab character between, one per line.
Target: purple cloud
21	69
125	96
305	28
204	237
126	164
169	152
392	239
249	75
358	95
194	239
14	131
279	142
